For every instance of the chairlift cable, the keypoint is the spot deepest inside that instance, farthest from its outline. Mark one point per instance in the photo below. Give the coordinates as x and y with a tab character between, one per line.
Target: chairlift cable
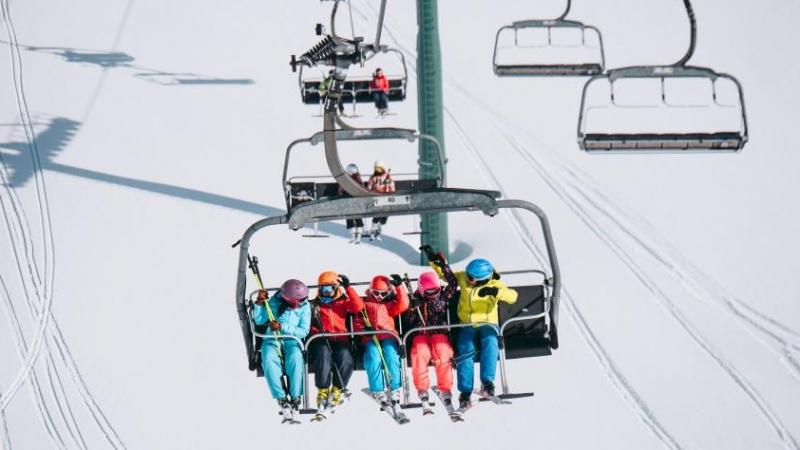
693	35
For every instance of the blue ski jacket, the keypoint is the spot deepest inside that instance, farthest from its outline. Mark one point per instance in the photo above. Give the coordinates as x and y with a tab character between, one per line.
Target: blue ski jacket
294	322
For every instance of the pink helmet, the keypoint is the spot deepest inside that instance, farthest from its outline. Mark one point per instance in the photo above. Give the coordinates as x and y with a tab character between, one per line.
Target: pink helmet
428	284
294	292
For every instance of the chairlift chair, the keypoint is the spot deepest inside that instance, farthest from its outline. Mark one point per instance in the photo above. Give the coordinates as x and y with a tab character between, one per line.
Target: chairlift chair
356	89
298	190
538	304
666	85
590	40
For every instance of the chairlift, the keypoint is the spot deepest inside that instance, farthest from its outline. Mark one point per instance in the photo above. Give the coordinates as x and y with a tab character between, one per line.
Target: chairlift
721	102
526	329
549	58
302	189
335	52
356	89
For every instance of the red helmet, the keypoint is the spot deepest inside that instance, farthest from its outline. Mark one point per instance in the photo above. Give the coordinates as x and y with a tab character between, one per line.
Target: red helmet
379	288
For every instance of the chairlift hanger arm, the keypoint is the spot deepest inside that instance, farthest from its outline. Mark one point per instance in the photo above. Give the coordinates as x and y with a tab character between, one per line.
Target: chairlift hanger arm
692	34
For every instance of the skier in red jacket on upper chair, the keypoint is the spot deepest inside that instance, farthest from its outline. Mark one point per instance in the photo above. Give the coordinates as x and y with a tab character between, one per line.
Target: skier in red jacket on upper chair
380	91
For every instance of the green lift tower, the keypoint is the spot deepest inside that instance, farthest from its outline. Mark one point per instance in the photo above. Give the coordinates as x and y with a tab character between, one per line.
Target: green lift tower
431	115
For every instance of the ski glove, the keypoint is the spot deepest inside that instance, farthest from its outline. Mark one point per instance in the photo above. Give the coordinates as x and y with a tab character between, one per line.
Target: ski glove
397	280
262	296
488	291
344	281
416	301
274	325
432	256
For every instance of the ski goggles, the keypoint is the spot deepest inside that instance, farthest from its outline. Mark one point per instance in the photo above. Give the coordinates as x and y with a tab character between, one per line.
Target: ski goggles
382	294
479	282
432	293
294	302
327	290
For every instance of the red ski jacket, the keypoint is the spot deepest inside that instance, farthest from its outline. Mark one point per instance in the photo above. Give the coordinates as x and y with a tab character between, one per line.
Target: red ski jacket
382	313
333	316
380	84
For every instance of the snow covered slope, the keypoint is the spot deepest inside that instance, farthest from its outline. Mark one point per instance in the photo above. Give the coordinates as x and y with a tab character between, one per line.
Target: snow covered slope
160	130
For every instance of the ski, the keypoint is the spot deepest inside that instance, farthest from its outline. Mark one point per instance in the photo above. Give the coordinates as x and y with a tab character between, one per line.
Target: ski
492	398
398	416
454	415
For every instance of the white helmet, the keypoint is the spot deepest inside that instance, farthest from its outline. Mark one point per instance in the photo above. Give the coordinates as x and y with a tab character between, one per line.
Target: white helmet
379	165
352	169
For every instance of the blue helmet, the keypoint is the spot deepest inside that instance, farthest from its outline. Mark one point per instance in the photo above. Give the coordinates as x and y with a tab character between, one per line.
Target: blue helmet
480	269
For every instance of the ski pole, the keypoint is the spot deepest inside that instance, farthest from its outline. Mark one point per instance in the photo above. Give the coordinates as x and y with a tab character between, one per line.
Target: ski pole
387	375
407	282
253	263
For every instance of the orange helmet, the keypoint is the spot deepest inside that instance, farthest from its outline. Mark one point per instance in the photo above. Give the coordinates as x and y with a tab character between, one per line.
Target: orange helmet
380	288
328	277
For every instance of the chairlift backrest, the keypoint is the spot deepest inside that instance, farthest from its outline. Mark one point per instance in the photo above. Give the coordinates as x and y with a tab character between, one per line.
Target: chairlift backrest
538	59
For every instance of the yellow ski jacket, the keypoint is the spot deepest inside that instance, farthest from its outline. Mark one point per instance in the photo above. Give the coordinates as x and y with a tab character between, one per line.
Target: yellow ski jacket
473	308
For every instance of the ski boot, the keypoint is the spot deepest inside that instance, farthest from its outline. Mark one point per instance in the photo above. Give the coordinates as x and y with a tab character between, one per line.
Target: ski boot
447	399
376	232
465	400
295	403
322	397
487	389
426	402
356	236
287	411
337	396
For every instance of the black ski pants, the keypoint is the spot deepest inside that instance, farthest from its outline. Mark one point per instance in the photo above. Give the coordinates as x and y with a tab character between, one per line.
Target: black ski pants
325	362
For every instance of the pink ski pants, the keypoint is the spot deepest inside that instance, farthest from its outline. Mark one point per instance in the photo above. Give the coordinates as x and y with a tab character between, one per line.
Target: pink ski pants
436	348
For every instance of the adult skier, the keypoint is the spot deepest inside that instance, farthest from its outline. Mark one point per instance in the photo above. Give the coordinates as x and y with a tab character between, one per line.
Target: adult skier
286	313
429	305
381	181
481	290
330	358
355	225
380	91
384	300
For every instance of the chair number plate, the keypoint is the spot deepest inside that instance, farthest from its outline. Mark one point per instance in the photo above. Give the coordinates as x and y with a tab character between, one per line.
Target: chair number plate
390	200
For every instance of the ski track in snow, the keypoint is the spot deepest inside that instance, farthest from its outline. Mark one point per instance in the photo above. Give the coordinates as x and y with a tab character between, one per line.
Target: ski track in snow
41	197
678	267
611	370
656	292
41	309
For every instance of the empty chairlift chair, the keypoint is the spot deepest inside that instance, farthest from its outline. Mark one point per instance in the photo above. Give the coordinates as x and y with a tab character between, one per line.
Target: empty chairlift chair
663	108
553	47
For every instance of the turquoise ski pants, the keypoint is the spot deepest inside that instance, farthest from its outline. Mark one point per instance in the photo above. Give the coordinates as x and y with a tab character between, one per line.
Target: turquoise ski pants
271	362
374	366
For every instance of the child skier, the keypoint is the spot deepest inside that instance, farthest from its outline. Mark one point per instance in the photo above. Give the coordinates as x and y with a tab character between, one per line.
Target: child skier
331	358
286	313
324	87
429	305
356	225
481	290
383	301
381	181
380	91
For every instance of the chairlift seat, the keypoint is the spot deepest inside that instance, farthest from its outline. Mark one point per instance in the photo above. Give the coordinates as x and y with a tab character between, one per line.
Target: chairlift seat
525	339
720	141
547	70
356	89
